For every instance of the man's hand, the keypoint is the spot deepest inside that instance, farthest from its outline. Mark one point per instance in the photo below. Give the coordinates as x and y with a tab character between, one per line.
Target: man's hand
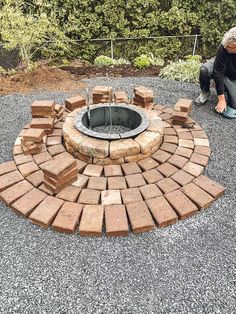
221	106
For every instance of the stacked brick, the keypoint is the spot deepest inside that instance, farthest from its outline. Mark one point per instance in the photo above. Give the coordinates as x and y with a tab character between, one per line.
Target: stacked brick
44	115
181	112
75	102
121	97
59	112
143	97
43	109
59	173
32	141
102	94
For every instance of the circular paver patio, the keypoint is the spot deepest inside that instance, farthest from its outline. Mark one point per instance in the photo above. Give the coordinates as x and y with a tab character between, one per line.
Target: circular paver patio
156	185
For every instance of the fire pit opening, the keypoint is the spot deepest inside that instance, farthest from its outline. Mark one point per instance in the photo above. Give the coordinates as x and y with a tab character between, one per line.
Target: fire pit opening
111	122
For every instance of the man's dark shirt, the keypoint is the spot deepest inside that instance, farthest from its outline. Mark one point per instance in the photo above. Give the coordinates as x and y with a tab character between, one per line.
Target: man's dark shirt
224	65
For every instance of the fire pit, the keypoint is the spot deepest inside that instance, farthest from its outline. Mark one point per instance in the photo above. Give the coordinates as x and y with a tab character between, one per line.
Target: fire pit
112	134
115	122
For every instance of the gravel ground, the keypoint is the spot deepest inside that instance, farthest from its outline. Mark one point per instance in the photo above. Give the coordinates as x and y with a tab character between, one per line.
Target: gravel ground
185	268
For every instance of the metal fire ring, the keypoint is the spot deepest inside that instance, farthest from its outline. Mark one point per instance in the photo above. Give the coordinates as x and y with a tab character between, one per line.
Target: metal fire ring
99	114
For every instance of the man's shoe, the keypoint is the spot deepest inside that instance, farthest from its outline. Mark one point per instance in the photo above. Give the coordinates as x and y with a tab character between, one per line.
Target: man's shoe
202	98
229	113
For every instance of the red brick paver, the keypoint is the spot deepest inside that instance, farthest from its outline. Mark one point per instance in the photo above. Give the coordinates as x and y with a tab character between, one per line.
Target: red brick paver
182	177
131	168
140	217
93	170
167	169
178	161
11	194
10	179
56	149
168	147
70	193
81	181
161	156
135	180
68	217
213	188
42	157
200	197
183	206
162	212
203	150
150	191
91	221
7	167
131	195
26	204
183	151
111	197
152	176
88	196
116	221
199	159
28	168
22	159
97	183
116	183
193	169
112	171
167	185
46	211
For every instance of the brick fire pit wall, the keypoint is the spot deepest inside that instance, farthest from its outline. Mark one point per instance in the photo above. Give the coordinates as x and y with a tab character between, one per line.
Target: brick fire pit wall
104	152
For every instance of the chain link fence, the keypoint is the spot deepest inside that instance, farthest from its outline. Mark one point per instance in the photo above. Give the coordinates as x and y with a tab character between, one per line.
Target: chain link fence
170	47
9	59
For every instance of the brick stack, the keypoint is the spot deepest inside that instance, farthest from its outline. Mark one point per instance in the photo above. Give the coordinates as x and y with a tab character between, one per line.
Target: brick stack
43	109
44	115
181	113
59	173
75	102
102	94
59	112
46	124
121	97
143	97
32	141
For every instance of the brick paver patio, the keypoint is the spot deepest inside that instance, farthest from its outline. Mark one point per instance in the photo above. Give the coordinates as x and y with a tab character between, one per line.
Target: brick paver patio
156	191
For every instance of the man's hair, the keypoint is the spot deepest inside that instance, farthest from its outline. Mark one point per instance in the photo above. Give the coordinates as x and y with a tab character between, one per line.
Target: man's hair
229	37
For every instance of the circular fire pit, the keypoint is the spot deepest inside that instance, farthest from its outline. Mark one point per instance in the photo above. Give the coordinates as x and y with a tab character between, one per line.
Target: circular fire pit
114	122
135	133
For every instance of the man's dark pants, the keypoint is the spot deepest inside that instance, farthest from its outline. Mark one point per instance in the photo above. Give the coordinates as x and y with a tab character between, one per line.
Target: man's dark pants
206	74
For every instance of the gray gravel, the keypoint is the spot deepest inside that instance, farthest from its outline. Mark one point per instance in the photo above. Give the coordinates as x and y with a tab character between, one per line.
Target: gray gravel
185	268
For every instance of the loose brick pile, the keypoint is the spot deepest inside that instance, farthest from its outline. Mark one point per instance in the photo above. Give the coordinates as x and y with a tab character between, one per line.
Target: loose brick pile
181	113
43	109
102	94
59	173
32	141
121	97
75	102
52	188
59	112
143	97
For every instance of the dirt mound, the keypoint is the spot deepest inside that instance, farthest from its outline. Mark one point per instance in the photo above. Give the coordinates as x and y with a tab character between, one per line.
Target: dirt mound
67	78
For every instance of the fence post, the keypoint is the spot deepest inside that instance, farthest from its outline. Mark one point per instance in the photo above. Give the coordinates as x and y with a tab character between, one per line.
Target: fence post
195	45
112	50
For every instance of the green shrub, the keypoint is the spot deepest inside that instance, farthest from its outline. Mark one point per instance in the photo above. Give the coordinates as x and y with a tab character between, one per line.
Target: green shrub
142	62
156	60
102	61
120	61
185	71
193	58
